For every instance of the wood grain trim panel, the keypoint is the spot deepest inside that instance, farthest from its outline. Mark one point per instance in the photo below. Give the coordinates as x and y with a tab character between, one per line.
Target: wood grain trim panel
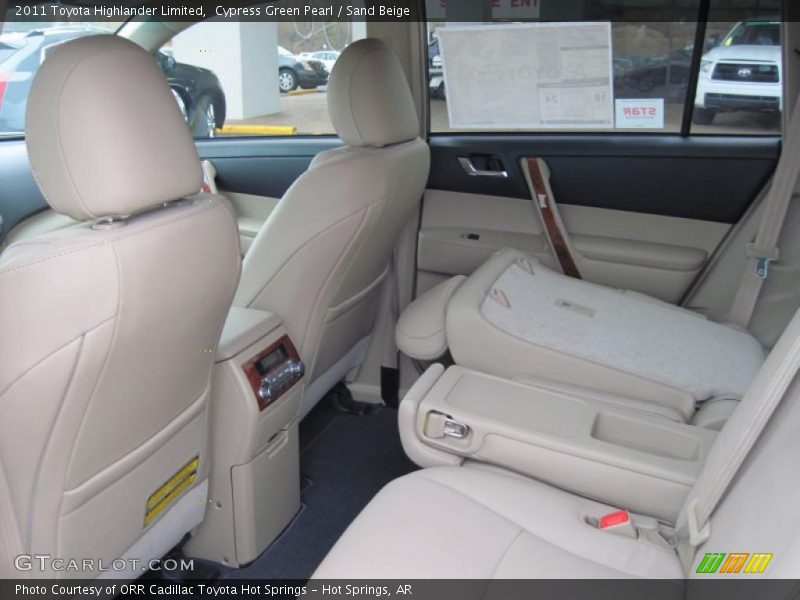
545	203
254	377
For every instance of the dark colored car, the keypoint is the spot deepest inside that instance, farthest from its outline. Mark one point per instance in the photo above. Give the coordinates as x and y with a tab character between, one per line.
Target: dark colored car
197	91
294	72
662	69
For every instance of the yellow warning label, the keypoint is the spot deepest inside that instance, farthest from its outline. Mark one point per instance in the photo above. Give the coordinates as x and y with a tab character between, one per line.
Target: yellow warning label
163	496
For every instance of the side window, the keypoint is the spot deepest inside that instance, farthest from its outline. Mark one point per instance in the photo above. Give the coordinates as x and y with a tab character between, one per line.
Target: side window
561	76
229	78
610	76
740	87
23	47
255	78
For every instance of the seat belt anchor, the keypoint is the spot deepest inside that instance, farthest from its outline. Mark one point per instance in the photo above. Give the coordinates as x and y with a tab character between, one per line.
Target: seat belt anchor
762	267
697	535
762	256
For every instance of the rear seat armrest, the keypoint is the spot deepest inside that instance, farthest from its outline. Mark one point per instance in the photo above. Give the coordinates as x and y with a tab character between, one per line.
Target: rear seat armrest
421	328
408	413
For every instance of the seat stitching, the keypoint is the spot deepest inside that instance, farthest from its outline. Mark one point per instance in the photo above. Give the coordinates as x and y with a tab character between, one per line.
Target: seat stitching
300	247
56	351
505	553
37	474
512	522
105	242
102	370
474	501
135	464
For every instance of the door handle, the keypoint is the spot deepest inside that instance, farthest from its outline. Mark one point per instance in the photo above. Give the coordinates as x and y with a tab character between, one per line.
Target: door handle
470	169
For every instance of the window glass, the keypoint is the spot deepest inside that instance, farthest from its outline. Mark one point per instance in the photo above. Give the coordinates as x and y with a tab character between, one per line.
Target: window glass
23	47
740	86
229	78
259	78
645	66
491	82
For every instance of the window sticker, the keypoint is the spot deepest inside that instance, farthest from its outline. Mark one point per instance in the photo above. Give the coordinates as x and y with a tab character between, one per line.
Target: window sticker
528	76
501	9
646	113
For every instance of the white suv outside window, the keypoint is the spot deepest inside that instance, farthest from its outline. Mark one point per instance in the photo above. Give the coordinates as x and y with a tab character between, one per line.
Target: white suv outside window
742	73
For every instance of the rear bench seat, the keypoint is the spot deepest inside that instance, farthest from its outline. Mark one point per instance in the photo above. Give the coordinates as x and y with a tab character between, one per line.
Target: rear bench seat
515	318
476	521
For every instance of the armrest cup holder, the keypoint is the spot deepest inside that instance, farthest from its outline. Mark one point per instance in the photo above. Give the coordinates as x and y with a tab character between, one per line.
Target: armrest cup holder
623	456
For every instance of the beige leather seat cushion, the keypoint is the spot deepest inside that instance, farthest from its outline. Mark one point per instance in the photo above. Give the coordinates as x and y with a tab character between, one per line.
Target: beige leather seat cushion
480	523
514	317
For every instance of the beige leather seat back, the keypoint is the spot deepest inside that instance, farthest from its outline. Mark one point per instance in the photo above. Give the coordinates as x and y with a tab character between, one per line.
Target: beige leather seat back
321	258
109	327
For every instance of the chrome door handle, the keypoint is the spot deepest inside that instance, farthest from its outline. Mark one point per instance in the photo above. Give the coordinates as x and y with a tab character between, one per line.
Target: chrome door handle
469	169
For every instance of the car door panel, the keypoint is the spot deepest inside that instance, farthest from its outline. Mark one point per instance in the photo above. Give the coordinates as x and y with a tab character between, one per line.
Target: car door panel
262	166
635	173
251	213
461	231
639	215
650	253
254	173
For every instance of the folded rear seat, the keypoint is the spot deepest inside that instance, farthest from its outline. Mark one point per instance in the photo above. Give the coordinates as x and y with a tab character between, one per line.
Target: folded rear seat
514	317
481	522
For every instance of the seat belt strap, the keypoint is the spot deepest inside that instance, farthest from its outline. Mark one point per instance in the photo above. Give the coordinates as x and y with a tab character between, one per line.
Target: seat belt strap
209	177
694	526
538	175
764	248
10	538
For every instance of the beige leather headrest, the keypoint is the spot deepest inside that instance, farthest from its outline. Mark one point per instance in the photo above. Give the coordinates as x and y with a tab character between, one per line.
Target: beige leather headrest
369	99
105	136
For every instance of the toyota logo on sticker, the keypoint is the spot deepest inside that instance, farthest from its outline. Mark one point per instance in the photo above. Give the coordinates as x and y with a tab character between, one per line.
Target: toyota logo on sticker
745	72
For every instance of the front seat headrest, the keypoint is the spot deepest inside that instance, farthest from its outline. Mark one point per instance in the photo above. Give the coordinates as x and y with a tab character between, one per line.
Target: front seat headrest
369	100
104	133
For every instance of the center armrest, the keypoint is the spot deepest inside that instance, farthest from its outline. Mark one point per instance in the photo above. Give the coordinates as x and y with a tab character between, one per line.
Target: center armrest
610	451
243	327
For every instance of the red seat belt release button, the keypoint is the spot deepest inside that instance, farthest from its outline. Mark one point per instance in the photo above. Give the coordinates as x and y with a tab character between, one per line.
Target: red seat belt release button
618	523
613	519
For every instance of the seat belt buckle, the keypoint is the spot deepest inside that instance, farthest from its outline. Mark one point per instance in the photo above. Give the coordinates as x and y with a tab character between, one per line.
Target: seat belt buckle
619	523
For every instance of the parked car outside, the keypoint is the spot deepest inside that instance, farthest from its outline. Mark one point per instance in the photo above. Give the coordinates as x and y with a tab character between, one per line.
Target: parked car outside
662	69
294	72
326	57
197	91
744	72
